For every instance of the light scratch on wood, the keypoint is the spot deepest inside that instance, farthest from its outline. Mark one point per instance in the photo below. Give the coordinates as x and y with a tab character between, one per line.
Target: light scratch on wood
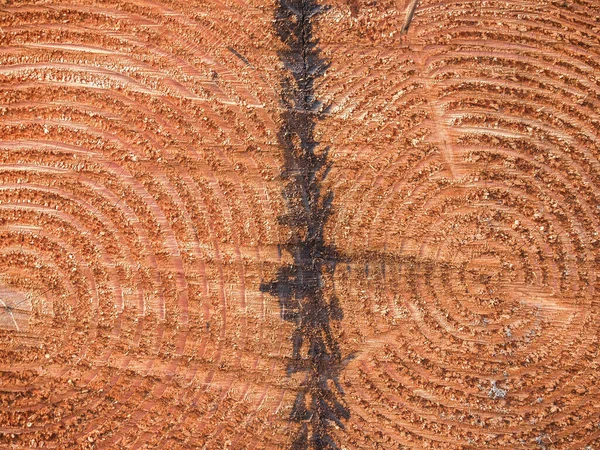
410	12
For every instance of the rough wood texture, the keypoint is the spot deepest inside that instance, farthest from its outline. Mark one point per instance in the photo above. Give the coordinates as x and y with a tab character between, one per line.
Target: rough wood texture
152	218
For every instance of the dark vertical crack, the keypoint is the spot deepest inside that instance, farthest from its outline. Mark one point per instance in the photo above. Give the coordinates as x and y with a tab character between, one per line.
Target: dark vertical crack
304	296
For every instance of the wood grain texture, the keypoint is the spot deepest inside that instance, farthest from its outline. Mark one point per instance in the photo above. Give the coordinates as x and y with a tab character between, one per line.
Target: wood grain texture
141	185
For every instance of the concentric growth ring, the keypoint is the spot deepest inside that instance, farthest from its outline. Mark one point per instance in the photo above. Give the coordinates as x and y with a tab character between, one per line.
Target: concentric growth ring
137	210
469	219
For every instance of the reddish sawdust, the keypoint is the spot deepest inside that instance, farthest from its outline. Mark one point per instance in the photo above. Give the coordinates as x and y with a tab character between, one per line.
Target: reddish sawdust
139	197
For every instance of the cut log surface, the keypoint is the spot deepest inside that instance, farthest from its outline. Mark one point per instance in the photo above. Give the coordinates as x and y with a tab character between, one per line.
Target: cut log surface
143	192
